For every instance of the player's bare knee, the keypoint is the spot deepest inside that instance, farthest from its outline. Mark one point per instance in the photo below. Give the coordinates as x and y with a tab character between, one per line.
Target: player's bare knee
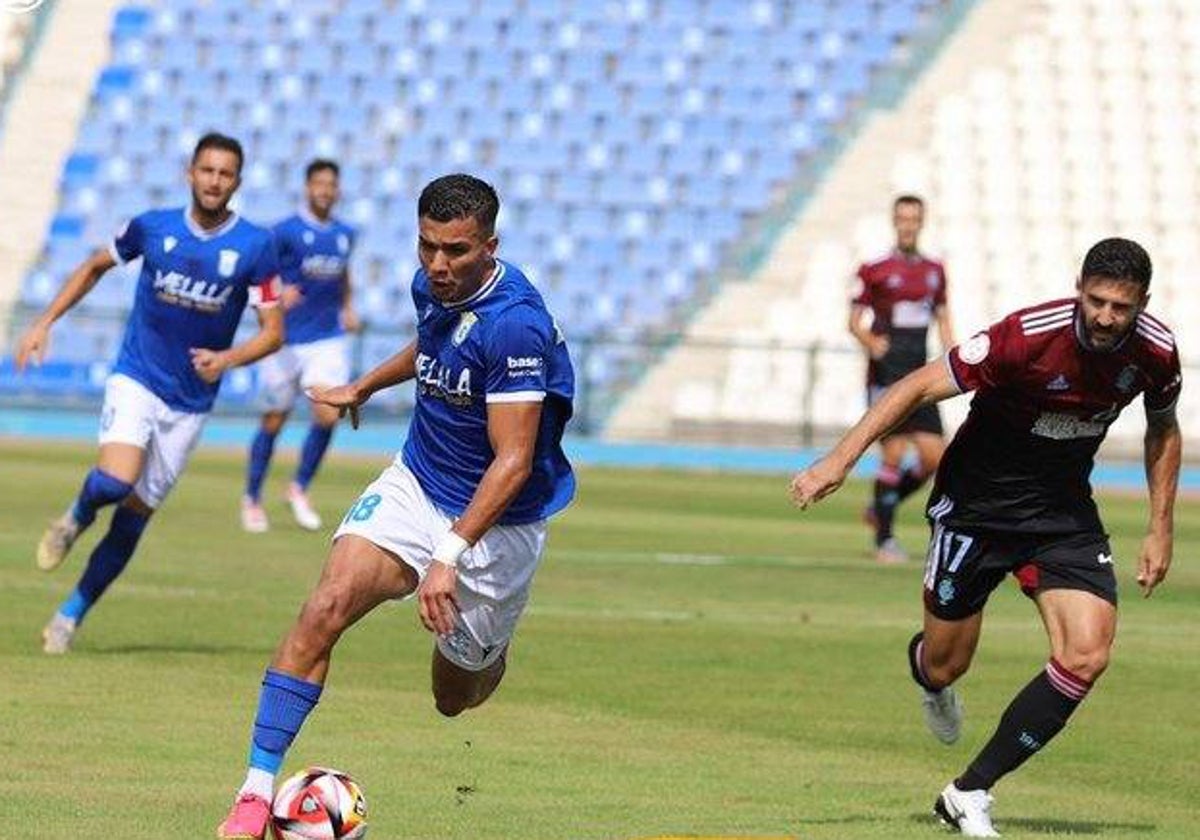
1086	663
326	613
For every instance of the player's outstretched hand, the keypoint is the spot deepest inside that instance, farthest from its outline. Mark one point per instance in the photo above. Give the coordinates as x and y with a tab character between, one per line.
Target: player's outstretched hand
1153	561
33	346
345	398
817	482
208	364
437	598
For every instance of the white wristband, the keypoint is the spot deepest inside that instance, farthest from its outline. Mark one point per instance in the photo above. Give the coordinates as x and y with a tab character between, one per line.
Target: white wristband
450	549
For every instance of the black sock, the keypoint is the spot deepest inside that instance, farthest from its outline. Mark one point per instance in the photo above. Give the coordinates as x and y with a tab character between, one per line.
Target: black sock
910	482
915	645
886	499
1035	716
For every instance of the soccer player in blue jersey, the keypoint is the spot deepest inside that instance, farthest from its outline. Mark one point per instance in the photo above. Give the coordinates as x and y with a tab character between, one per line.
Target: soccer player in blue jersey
314	254
201	265
459	518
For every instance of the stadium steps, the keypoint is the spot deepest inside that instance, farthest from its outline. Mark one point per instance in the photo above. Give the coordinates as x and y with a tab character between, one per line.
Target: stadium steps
694	391
39	131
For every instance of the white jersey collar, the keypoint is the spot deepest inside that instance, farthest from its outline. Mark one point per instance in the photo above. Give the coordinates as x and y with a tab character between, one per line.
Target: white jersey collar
483	291
310	218
211	233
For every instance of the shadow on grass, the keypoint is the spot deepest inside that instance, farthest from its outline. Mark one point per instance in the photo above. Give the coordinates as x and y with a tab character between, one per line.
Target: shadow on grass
167	647
849	820
1040	825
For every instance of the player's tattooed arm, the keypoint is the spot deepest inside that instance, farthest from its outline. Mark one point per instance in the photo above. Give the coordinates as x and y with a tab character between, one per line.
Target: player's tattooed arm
928	384
1163	453
33	344
512	432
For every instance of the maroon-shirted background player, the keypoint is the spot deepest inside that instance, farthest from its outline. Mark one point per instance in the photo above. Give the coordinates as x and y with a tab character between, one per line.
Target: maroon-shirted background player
1012	494
904	292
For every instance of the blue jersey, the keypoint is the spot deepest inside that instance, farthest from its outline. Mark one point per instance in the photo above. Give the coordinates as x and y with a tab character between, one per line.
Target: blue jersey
314	256
191	293
499	345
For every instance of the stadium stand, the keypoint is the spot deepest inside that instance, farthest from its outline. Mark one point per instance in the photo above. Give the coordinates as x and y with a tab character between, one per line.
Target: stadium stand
1081	127
633	141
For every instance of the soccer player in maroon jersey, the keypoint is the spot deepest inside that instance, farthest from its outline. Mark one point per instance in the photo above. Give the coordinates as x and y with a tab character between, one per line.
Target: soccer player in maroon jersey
1013	494
905	292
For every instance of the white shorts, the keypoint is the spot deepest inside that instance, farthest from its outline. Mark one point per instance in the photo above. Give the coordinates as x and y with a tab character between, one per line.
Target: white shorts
133	414
494	575
284	374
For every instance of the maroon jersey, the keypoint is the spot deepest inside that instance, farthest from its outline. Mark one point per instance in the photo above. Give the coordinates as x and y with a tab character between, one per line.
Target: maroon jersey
902	291
1043	403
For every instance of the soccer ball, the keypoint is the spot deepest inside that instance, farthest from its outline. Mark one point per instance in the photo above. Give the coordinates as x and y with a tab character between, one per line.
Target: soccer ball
319	804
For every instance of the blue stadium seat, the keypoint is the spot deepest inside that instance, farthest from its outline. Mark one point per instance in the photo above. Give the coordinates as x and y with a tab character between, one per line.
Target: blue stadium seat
115	80
131	22
604	124
80	170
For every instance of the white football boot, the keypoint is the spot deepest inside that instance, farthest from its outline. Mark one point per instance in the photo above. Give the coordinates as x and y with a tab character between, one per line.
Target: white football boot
254	518
57	635
943	713
302	509
56	542
966	810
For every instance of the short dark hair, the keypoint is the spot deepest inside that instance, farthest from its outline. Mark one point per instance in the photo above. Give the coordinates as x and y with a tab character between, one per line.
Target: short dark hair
320	165
460	196
1118	259
216	140
908	198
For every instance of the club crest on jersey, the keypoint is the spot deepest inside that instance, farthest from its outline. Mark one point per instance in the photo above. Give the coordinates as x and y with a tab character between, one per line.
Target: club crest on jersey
169	243
1127	378
227	261
343	243
893	281
975	349
932	280
309	238
465	322
945	591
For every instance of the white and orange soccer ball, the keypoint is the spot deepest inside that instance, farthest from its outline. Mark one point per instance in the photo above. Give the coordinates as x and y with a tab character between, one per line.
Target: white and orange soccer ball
319	804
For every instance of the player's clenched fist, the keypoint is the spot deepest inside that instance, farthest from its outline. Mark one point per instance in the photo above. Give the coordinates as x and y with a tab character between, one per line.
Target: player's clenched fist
208	364
816	482
438	599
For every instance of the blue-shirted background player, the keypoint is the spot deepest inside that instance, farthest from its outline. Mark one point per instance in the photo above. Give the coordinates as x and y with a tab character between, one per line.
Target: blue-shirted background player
460	517
314	256
201	265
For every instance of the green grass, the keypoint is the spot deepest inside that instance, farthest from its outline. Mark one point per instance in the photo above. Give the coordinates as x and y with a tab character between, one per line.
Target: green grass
698	659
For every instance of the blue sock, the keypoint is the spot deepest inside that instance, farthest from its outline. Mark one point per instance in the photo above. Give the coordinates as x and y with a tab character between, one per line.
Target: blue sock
108	560
283	705
99	489
260	459
315	444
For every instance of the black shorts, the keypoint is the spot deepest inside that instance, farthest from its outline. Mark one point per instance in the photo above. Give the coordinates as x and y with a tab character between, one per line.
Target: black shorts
926	418
962	568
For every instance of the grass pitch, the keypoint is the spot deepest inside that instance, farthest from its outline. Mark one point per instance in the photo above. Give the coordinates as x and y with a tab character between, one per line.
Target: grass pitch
699	659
